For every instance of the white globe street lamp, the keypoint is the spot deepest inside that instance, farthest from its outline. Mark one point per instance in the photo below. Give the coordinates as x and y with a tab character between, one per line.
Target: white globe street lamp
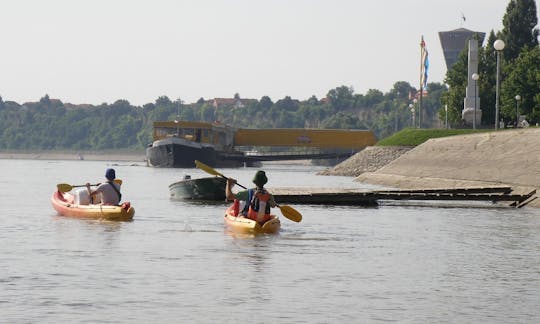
499	46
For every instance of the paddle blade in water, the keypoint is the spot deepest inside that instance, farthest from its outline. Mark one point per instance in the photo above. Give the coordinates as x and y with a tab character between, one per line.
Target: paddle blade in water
291	213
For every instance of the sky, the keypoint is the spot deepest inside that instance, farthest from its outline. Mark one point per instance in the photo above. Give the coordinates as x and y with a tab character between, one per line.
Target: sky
99	51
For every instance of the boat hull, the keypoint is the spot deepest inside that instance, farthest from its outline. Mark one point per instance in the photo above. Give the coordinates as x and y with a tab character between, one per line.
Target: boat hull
178	153
168	154
63	203
242	225
209	188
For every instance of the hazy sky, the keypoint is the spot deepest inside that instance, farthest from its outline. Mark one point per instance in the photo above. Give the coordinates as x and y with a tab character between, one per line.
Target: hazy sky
97	51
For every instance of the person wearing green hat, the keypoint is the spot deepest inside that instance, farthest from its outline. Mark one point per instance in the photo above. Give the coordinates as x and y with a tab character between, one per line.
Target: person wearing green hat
257	200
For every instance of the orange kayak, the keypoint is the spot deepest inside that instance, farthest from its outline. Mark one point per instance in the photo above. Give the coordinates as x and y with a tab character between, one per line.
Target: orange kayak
246	225
63	203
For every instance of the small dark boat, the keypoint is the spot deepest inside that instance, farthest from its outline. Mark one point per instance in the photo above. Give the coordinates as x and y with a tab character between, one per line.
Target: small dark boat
209	188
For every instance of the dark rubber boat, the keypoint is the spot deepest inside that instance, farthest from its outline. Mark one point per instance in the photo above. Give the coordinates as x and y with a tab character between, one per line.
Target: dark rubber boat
209	188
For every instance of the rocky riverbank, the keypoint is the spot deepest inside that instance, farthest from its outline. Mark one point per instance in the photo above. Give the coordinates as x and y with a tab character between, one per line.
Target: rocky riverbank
370	159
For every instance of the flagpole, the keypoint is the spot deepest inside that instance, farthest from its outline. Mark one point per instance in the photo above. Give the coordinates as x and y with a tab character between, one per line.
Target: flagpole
421	82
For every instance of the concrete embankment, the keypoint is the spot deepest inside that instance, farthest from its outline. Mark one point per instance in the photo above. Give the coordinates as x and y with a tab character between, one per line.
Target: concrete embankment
510	157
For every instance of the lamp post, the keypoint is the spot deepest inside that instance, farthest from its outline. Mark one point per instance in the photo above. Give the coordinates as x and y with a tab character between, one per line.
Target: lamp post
411	106
395	119
446	116
396	114
475	77
518	98
499	46
414	122
177	120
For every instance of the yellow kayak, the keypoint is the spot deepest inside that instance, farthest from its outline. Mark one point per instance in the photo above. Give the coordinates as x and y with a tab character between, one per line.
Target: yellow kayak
63	203
245	225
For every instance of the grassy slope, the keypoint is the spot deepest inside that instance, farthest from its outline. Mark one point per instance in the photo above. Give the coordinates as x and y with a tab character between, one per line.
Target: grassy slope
413	137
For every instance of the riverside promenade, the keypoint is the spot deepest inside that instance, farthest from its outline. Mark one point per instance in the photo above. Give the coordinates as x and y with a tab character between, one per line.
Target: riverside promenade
502	158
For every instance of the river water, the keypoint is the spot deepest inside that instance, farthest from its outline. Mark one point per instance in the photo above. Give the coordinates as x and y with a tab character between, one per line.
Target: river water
175	263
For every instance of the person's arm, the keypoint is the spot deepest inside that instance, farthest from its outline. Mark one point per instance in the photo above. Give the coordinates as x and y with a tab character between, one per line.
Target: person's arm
229	195
272	202
90	192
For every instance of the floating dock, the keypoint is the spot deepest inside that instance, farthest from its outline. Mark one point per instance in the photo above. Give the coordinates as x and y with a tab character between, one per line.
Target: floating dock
358	197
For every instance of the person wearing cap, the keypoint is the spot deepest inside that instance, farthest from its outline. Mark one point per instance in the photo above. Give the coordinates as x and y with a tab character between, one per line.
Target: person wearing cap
257	200
109	190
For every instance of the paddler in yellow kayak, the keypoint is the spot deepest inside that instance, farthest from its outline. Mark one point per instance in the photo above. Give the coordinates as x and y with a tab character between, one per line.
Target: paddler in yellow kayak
257	200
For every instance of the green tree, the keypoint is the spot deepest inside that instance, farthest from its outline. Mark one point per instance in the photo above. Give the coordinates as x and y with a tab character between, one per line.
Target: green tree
313	101
265	103
287	104
207	113
341	120
45	100
341	98
373	97
523	80
163	101
401	89
519	30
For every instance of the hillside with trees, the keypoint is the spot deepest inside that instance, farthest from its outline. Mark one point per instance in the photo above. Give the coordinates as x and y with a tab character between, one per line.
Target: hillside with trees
50	124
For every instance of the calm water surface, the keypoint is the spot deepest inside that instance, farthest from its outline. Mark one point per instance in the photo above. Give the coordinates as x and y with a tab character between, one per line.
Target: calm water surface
175	263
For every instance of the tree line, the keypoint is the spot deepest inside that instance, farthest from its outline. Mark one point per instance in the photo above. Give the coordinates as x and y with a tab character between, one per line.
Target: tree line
50	124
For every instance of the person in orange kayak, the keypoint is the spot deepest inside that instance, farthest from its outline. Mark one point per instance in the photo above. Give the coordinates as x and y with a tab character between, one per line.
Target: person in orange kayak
257	200
110	190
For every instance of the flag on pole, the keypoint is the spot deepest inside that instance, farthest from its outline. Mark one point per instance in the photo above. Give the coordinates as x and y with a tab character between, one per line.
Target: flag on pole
424	64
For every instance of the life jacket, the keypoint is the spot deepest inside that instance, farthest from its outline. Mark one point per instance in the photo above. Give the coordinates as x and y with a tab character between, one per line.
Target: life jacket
255	197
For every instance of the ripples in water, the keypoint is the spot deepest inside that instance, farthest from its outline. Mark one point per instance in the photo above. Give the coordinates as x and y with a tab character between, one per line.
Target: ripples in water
175	262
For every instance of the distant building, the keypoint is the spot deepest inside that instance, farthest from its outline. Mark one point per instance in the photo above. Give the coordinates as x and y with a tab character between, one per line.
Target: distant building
231	102
455	41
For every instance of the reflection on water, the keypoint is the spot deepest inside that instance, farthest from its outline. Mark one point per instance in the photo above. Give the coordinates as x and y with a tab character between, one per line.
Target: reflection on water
176	262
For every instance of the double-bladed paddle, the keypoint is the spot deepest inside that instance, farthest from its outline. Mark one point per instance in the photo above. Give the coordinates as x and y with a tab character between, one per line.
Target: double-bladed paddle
287	211
65	187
